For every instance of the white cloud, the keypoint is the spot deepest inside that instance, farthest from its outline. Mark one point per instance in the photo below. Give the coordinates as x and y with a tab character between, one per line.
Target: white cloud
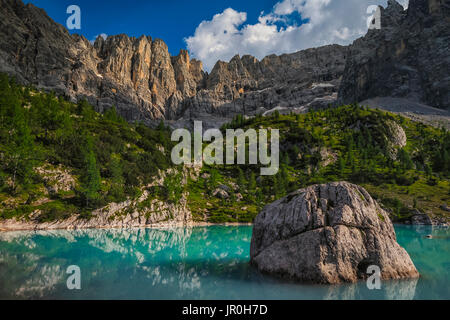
404	3
103	35
329	21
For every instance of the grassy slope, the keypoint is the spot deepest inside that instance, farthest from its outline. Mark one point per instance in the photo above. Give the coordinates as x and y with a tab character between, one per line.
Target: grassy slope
356	135
43	130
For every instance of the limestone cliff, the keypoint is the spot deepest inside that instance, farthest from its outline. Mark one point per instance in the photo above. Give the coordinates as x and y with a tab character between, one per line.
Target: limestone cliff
145	82
408	57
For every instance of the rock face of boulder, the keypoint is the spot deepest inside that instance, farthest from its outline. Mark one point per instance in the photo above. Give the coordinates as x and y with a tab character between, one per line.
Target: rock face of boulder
328	234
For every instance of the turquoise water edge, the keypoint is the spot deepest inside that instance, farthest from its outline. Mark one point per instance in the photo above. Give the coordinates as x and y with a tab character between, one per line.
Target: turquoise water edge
190	263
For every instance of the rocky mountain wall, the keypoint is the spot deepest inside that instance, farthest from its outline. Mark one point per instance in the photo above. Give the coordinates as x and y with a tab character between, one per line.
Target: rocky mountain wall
409	57
144	82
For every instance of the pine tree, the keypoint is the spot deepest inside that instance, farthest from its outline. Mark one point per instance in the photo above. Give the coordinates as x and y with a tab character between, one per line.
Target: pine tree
446	161
341	165
115	169
278	186
117	180
405	160
251	182
113	115
20	148
91	181
259	198
350	158
213	179
284	180
296	151
276	115
173	187
241	180
286	159
251	187
161	126
85	110
427	169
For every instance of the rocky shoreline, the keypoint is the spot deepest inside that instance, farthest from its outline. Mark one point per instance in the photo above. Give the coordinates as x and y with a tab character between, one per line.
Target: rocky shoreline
11	226
142	212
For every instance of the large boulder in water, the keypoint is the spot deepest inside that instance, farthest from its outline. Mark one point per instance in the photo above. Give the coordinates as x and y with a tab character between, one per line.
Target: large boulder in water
328	233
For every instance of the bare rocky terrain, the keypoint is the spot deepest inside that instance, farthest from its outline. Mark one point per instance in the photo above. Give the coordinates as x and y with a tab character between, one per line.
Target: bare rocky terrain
414	110
145	211
408	58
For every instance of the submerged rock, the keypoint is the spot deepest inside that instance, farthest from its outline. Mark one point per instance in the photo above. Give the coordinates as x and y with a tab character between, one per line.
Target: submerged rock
419	218
328	233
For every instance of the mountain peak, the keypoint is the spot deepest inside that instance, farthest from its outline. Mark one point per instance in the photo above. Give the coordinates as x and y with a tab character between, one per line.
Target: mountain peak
145	83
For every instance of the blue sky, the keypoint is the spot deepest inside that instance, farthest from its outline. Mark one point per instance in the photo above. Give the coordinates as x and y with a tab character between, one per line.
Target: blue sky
217	30
170	20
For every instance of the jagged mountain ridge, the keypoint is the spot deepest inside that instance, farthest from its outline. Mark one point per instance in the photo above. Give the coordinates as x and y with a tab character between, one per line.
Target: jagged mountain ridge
144	82
136	75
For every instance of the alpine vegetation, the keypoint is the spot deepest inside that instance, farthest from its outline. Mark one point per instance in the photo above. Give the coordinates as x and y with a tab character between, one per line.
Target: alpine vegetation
236	147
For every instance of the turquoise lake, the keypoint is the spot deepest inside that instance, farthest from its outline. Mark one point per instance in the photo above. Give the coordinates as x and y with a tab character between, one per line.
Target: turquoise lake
189	263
